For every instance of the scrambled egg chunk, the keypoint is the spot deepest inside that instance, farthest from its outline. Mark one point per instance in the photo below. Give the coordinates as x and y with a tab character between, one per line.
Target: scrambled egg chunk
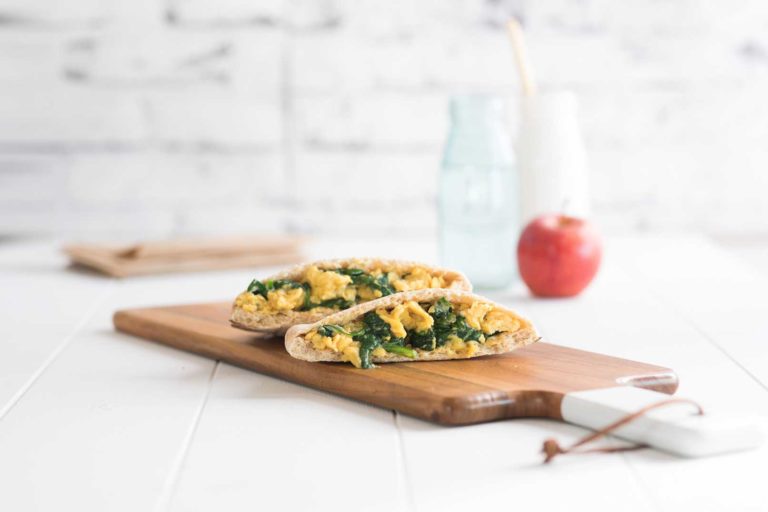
499	321
458	347
476	313
352	354
250	302
406	316
285	299
366	293
349	349
485	318
418	279
338	342
326	284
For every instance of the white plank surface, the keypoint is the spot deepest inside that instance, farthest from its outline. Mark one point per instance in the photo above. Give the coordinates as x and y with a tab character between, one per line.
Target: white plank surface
715	292
496	466
100	428
719	301
263	441
41	309
101	421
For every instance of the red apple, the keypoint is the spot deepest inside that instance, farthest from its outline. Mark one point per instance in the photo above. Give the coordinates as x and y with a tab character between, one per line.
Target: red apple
558	255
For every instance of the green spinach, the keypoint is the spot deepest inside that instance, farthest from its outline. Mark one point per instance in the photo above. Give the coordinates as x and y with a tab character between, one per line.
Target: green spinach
368	342
361	278
442	313
258	288
338	302
374	333
307	305
465	332
395	348
330	329
375	325
424	340
448	323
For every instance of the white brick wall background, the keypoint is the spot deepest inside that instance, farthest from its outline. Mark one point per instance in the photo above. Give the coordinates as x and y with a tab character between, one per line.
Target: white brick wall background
154	117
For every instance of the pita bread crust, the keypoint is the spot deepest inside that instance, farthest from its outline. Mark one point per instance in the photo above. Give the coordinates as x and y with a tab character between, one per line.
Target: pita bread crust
278	323
299	348
275	323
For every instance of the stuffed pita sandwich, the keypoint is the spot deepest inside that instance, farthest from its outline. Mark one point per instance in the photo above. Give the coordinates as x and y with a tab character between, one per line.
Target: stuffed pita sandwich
423	325
306	293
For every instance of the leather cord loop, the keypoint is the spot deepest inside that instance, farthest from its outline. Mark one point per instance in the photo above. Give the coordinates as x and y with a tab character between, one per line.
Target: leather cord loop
552	448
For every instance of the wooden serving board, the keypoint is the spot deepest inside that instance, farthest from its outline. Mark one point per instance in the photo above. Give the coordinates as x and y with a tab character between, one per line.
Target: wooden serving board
529	382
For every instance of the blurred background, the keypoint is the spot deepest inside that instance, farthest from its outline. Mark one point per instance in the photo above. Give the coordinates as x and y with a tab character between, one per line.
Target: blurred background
155	118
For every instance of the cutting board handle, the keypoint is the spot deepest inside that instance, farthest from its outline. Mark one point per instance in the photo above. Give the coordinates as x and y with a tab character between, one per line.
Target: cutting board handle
675	428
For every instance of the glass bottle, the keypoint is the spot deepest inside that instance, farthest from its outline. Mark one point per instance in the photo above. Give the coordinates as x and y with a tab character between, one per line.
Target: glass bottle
478	194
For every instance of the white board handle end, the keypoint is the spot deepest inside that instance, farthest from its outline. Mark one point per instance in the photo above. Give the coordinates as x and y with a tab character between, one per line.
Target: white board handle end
675	428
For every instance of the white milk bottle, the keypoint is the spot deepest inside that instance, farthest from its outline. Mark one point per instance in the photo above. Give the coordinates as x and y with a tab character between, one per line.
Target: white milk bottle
552	160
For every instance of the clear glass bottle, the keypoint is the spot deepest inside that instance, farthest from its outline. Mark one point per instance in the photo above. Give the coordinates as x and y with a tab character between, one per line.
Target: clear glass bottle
478	195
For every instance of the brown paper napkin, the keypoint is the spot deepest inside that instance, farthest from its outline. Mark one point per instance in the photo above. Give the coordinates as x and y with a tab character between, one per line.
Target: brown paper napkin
158	257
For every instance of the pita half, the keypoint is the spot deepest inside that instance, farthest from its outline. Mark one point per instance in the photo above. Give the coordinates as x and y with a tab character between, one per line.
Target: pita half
421	325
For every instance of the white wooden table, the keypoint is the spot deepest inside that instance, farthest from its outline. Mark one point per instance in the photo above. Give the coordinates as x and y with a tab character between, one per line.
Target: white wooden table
93	420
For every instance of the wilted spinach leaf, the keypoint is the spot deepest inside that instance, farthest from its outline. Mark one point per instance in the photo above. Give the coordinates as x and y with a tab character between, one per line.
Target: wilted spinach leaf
368	342
424	340
444	319
361	278
351	272
374	325
283	283
464	331
258	288
307	305
338	302
399	349
330	329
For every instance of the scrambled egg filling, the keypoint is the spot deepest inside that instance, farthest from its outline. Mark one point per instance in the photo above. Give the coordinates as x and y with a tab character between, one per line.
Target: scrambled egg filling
250	303
498	321
326	284
412	317
417	279
409	316
458	347
339	343
367	293
475	313
330	285
285	299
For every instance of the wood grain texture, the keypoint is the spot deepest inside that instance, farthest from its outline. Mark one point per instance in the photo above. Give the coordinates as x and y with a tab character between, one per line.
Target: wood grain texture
529	382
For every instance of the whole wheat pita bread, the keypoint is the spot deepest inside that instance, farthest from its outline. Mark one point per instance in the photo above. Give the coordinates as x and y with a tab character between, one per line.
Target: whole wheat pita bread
300	348
278	323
